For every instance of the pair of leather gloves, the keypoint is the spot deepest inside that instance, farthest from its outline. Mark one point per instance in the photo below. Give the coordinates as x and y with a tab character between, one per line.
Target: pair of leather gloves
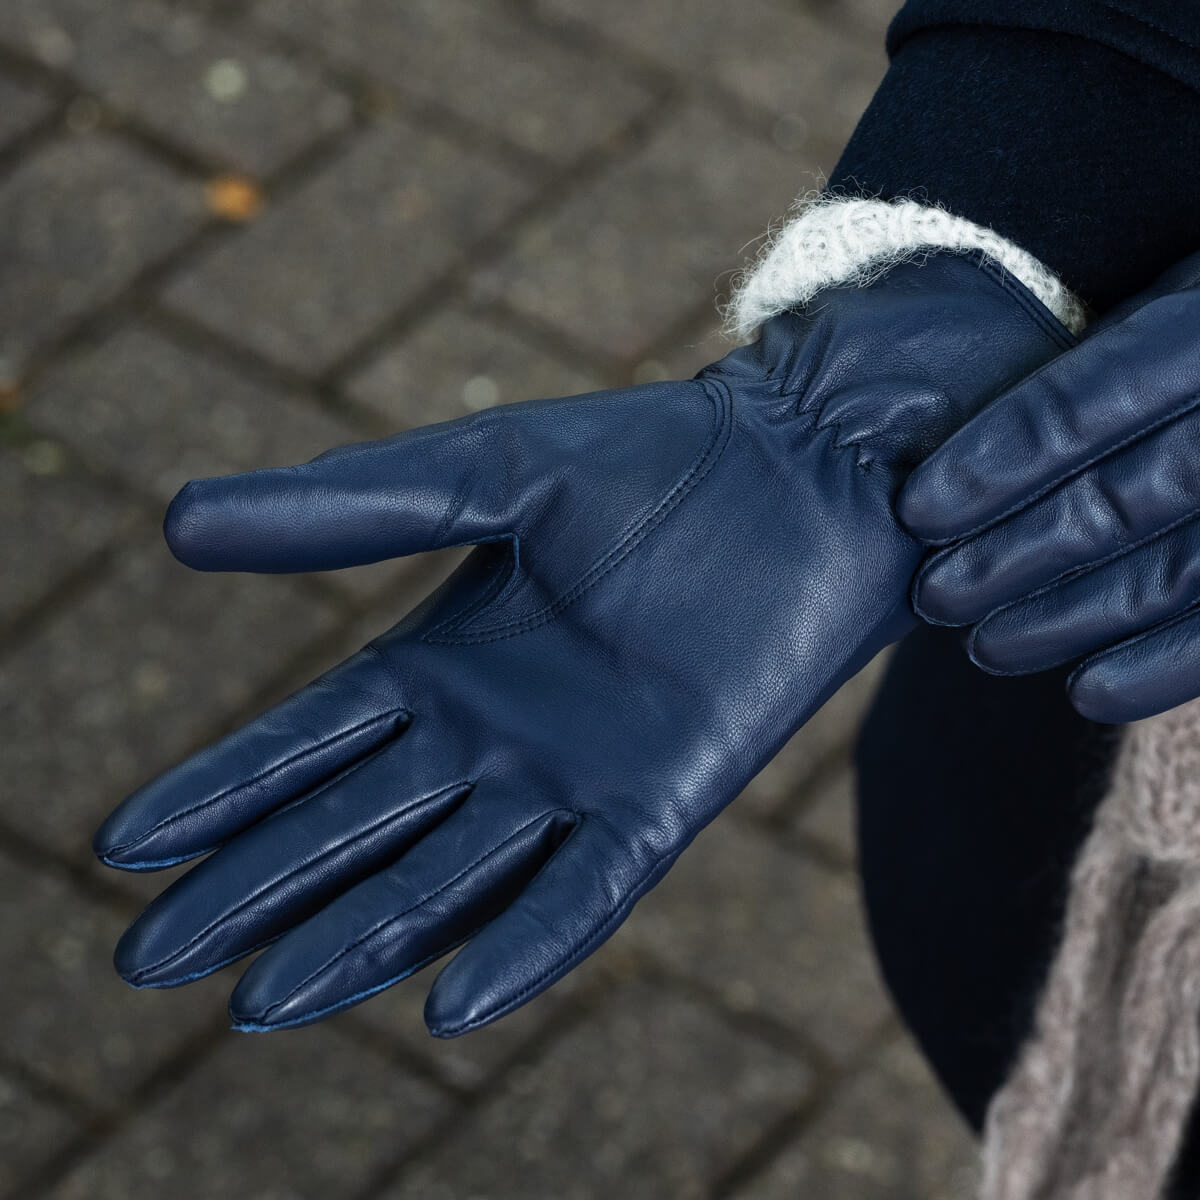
667	582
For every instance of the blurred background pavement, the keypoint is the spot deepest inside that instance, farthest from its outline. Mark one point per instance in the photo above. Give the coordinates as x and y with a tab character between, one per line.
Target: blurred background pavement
233	233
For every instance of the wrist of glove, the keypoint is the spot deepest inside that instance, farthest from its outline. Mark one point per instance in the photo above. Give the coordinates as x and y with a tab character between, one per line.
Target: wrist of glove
1072	505
667	582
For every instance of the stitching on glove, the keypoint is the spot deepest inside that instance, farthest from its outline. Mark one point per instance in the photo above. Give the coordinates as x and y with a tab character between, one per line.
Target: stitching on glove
657	869
1133	639
1069	577
264	774
346	1002
1181	410
391	920
503	575
707	459
1019	291
288	876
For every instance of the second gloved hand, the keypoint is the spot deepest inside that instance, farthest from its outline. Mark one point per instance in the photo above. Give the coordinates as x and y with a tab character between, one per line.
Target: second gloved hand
1073	506
668	581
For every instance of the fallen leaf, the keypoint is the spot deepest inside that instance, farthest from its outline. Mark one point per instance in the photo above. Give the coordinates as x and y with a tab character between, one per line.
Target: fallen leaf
233	198
10	397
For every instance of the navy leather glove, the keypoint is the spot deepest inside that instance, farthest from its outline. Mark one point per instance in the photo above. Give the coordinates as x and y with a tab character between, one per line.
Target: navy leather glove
1074	505
668	581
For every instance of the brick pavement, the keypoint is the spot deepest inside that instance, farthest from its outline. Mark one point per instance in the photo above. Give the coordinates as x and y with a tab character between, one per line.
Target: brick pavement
564	180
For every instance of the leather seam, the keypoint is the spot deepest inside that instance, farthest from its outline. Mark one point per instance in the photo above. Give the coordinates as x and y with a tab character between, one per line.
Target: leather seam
288	876
1141	635
577	953
1032	306
501	577
393	918
1069	577
704	463
1181	410
380	718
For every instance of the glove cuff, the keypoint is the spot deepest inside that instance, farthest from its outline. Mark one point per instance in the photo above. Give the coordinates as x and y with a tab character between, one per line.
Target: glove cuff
837	240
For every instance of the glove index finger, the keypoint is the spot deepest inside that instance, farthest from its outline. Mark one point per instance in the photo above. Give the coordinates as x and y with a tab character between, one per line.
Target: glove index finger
346	714
1090	402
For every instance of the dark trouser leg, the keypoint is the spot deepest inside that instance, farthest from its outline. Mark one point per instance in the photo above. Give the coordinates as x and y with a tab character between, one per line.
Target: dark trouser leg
974	796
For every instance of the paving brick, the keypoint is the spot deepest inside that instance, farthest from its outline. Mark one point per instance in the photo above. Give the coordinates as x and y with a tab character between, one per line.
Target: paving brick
314	275
687	355
770	932
621	261
294	1116
815	75
119	686
866	19
456	363
828	819
476	59
53	523
63	257
889	1135
21	107
828	735
624	1105
66	1014
159	414
31	1129
195	84
468	1061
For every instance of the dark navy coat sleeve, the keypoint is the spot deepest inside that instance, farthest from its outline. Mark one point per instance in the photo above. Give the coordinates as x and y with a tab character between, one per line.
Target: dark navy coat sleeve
1070	126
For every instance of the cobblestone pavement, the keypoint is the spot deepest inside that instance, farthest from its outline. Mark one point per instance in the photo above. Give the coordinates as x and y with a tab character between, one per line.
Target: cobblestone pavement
232	233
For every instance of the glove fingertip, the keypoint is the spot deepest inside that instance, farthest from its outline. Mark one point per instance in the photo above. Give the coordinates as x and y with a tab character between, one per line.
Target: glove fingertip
450	1012
184	525
928	507
1094	695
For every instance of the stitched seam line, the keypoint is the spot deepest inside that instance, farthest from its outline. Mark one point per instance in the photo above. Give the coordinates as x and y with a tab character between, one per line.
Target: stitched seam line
817	413
703	464
1181	410
579	951
262	776
393	918
290	875
1033	307
1002	278
501	577
1179	618
255	1024
1069	577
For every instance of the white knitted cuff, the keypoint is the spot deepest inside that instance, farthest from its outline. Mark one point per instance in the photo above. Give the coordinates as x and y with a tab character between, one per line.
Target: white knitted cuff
851	240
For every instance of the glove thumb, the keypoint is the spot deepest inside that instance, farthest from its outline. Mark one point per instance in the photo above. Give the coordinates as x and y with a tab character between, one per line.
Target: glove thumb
451	484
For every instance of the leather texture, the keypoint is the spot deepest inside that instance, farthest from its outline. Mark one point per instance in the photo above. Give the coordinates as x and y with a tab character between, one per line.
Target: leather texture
1073	506
668	581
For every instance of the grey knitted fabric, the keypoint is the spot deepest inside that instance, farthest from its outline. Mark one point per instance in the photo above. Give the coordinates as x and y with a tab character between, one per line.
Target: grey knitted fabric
1098	1101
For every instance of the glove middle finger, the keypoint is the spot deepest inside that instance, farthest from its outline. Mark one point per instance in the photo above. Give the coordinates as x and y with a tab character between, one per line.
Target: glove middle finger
1108	509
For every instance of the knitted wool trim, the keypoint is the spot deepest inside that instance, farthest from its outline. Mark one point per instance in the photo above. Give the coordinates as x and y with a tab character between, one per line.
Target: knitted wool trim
839	239
1098	1102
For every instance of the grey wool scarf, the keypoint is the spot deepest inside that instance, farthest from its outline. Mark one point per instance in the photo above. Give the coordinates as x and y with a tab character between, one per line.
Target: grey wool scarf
1098	1101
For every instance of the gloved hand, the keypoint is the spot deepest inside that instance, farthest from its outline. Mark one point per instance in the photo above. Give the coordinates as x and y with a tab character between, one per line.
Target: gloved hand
668	581
1074	505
